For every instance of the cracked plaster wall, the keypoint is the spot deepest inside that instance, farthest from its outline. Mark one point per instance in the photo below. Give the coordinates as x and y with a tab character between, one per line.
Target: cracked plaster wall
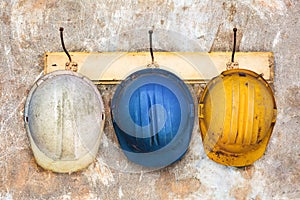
30	28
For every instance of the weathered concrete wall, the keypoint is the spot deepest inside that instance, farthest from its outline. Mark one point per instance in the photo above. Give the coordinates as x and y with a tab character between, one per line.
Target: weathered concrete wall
29	28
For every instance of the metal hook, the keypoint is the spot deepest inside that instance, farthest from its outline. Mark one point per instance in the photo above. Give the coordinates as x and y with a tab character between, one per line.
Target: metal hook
150	40
69	65
234	44
153	64
233	64
61	29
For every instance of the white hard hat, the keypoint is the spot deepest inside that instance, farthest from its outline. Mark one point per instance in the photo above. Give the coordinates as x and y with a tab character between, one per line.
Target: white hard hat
64	118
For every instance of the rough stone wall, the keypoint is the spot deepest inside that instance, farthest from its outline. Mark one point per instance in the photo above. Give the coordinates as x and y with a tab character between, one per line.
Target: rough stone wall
30	28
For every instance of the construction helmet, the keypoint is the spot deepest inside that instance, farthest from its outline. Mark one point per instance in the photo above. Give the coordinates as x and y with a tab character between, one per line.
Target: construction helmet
153	117
64	118
237	113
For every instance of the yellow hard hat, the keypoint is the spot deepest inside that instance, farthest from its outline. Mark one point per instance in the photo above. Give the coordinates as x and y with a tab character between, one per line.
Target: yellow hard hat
237	113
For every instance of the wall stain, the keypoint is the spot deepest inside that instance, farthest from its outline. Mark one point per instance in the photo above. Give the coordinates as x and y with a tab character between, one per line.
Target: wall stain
241	192
293	96
179	188
247	172
5	18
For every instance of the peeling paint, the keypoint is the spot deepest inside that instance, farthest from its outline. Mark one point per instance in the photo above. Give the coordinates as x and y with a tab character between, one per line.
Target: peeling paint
276	39
120	193
6	196
268	8
99	172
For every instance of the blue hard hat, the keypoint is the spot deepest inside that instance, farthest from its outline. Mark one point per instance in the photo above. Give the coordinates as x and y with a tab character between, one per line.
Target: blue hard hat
153	117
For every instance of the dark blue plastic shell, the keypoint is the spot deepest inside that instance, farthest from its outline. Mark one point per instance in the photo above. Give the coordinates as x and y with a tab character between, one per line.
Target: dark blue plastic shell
153	117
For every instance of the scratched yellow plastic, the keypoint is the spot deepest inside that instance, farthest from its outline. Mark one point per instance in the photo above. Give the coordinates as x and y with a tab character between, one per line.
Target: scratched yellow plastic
237	113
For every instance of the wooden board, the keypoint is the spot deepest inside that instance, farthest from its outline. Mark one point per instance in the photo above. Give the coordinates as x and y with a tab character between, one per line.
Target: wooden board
192	67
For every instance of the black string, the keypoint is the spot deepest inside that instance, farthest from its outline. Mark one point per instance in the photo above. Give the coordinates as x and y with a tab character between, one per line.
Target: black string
234	44
61	29
151	50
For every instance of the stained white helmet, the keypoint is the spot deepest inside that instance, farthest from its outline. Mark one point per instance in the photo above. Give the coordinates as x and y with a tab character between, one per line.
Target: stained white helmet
64	118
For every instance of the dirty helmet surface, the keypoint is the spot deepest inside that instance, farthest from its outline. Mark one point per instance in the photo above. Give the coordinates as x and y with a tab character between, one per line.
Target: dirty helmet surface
237	113
64	118
153	117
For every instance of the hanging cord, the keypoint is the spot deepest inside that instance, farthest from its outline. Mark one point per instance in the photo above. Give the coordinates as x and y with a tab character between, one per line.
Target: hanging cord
69	65
233	64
